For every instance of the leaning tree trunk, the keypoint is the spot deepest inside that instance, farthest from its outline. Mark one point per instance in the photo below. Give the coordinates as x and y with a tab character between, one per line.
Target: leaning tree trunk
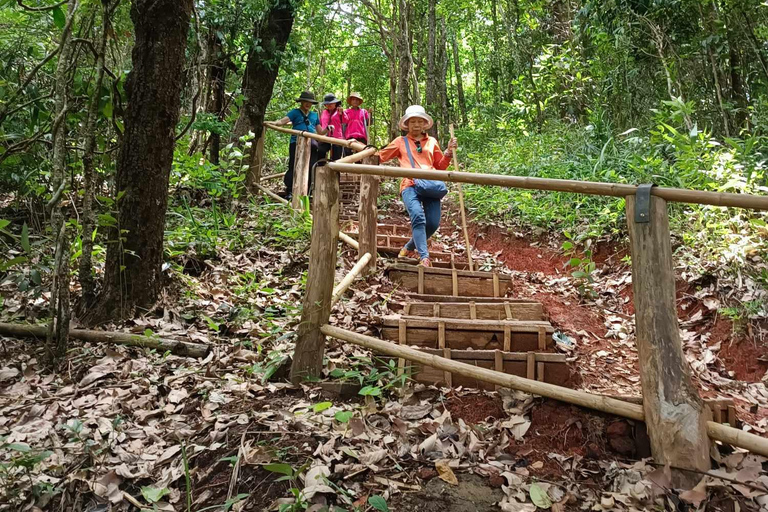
261	70
432	87
133	270
217	70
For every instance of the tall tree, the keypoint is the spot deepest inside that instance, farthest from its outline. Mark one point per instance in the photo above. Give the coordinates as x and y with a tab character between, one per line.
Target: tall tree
133	268
270	36
459	78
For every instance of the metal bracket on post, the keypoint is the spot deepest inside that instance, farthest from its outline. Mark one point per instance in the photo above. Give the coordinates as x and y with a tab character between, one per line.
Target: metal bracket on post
643	203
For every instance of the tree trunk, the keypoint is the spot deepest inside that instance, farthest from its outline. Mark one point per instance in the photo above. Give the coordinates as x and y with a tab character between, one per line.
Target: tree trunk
738	92
459	82
442	80
58	329
133	271
394	114
217	70
261	70
88	217
404	55
432	89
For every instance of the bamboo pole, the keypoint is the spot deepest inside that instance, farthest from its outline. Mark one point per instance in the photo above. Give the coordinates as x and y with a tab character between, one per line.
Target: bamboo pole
349	278
461	206
678	195
716	431
352	144
272	194
179	348
272	176
357	156
342	236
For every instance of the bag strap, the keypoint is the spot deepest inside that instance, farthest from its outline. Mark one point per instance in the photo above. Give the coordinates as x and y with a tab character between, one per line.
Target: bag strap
365	123
408	149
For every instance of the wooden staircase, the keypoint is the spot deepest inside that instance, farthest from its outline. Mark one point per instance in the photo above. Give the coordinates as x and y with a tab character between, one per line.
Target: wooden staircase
466	316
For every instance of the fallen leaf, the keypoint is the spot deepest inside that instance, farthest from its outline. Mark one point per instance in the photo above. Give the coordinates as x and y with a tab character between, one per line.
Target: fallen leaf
415	412
8	373
539	496
696	495
445	472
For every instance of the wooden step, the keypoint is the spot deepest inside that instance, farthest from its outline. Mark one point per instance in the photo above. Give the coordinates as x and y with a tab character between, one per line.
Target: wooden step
477	311
450	298
457	264
550	368
507	335
442	281
386	229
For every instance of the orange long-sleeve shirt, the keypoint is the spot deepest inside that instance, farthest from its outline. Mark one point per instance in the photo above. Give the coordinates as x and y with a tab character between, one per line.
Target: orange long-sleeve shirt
431	156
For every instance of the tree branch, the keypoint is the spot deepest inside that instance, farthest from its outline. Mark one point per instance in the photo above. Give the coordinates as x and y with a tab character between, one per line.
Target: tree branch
40	9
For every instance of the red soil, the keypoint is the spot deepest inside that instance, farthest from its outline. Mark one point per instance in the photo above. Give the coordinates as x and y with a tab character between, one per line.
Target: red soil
570	317
741	354
474	409
517	253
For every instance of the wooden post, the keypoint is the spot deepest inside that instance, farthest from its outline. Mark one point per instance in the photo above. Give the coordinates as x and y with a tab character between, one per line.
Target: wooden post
675	415
301	171
310	342
253	177
369	215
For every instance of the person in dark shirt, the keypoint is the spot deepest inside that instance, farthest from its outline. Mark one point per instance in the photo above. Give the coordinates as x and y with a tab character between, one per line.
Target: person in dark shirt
304	119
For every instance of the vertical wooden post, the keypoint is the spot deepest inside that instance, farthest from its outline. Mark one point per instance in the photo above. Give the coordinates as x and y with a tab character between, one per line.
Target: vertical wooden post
310	342
301	170
369	215
675	415
253	177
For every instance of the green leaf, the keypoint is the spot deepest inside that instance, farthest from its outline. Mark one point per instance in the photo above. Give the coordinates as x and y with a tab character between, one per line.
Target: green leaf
4	223
19	447
153	495
370	391
35	277
336	373
58	17
283	469
578	274
321	406
378	503
25	238
5	265
343	416
539	497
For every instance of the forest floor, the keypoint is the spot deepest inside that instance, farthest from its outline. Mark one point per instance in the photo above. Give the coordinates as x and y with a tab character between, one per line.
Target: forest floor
120	428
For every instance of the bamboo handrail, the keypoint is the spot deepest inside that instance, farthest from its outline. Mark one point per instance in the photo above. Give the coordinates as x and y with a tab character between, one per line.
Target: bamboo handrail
342	236
461	207
272	176
716	431
357	146
357	156
678	195
349	278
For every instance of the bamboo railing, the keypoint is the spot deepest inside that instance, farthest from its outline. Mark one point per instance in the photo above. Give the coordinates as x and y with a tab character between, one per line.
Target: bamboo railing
679	423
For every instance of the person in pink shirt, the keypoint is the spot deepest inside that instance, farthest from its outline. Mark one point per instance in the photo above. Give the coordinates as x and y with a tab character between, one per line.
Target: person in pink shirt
356	120
331	120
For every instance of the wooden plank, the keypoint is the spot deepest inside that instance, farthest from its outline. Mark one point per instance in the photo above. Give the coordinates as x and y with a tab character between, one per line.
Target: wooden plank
665	374
447	376
532	326
462	273
482	311
557	373
443	284
436	263
540	372
420	284
530	366
450	298
542	338
496	289
508	338
732	420
476	340
310	342
454	283
301	172
402	334
498	363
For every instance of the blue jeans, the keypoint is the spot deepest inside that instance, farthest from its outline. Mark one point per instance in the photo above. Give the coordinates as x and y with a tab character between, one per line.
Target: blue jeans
425	219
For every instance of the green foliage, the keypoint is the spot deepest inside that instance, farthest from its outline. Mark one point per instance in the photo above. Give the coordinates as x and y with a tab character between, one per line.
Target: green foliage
374	375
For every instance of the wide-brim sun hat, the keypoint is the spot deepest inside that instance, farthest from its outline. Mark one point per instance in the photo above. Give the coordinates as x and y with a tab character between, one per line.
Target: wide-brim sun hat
330	99
415	111
307	96
355	95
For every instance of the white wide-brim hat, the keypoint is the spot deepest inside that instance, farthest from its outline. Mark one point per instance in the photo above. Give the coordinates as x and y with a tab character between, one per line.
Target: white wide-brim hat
415	111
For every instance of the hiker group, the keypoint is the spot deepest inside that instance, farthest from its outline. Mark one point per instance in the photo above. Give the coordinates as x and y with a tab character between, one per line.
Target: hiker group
415	150
344	124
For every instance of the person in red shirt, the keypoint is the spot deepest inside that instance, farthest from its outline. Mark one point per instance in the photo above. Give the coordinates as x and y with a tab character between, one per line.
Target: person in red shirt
331	120
424	153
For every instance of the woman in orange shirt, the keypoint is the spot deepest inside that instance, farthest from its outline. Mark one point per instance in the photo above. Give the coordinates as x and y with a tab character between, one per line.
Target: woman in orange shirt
418	150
